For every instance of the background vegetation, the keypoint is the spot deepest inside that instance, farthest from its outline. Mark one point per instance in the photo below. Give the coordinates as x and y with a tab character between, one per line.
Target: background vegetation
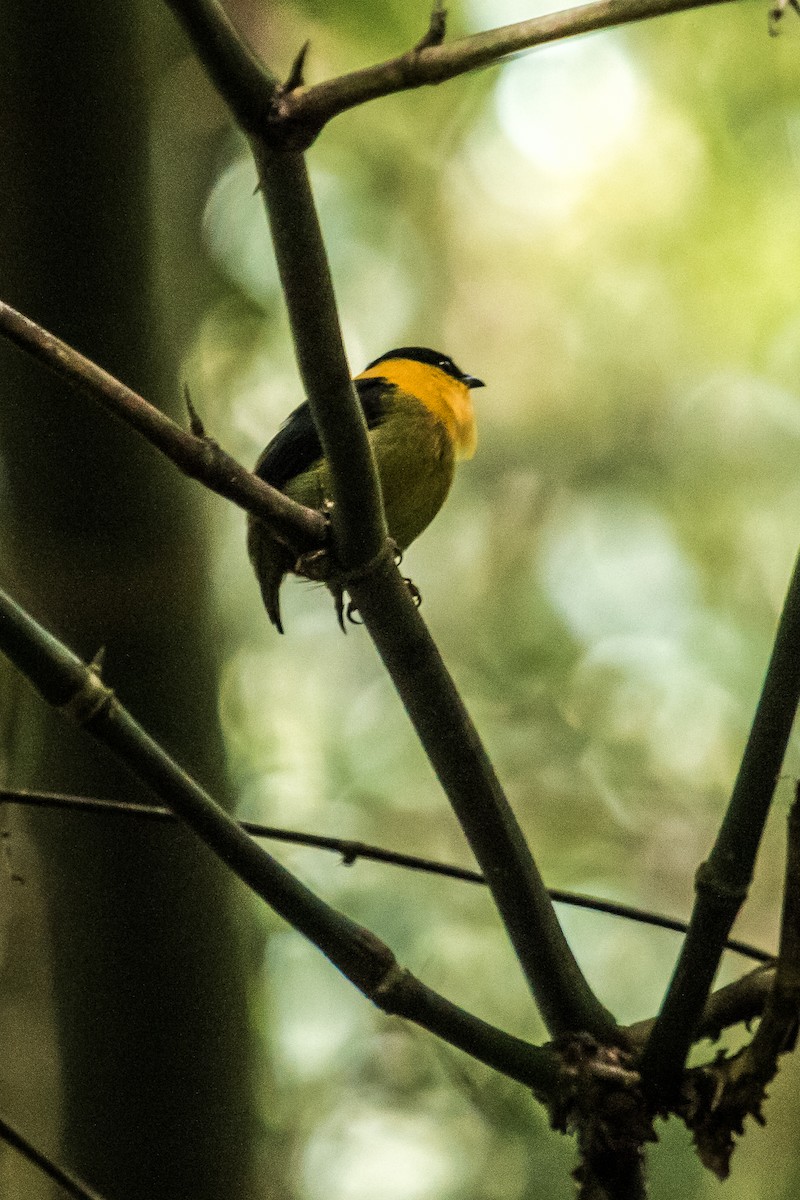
607	232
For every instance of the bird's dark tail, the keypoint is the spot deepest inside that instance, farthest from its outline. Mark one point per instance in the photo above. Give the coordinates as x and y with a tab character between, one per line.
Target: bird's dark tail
271	562
270	592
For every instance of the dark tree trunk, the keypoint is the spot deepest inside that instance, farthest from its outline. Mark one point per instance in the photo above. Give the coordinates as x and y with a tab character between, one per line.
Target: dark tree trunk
147	938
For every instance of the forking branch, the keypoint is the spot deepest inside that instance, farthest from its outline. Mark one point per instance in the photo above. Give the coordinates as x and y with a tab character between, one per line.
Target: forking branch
292	115
304	112
278	126
79	693
425	685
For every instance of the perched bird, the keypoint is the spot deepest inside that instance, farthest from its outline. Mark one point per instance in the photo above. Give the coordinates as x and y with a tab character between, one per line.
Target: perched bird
419	415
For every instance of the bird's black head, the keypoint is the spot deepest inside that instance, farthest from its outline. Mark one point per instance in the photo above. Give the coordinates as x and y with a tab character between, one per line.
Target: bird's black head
432	358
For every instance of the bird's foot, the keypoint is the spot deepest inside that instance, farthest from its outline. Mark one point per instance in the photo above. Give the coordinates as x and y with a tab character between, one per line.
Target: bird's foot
316	565
319	565
351	612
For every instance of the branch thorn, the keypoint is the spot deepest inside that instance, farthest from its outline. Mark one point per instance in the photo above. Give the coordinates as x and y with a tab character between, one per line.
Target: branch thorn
296	77
98	662
195	423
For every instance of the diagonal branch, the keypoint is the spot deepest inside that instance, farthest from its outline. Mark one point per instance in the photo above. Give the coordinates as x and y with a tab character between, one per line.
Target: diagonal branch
291	116
359	525
722	882
717	1098
299	116
202	459
408	652
239	76
467	776
196	456
739	1002
79	693
68	1184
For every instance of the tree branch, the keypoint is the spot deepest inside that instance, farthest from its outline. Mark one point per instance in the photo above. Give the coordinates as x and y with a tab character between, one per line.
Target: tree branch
351	851
79	693
299	116
777	1031
246	85
359	526
198	457
469	780
408	652
375	585
723	880
717	1098
203	460
69	1184
739	1002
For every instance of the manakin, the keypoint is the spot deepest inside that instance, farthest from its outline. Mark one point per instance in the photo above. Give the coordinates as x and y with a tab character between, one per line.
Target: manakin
418	411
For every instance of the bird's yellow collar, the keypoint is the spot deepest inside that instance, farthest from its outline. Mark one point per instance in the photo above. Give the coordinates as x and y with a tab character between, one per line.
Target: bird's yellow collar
447	398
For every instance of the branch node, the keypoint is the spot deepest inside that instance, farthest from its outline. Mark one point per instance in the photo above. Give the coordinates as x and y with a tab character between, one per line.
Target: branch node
717	889
91	699
98	662
598	1096
392	977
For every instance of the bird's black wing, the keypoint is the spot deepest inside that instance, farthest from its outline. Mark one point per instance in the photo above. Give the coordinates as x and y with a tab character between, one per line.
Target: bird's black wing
296	446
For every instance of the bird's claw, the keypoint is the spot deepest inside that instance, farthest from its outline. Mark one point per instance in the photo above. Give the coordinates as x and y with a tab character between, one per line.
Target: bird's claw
351	611
413	591
315	564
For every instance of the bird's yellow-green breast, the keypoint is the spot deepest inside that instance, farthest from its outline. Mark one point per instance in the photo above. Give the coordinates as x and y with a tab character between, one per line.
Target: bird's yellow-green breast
420	421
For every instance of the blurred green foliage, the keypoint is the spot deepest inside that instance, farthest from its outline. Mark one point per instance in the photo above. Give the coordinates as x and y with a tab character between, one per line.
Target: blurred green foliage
606	231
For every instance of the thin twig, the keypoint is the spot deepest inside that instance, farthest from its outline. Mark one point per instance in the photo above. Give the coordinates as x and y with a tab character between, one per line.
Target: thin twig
196	456
722	881
351	850
69	1184
79	693
296	77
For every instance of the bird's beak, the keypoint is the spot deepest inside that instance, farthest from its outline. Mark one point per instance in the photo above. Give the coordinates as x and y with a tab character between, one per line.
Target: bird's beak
472	382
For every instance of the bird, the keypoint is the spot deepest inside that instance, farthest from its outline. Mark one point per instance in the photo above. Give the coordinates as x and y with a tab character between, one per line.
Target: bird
420	422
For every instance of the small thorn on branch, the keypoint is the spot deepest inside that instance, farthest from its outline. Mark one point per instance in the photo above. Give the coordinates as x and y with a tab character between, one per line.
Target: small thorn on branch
98	662
195	423
296	78
435	33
